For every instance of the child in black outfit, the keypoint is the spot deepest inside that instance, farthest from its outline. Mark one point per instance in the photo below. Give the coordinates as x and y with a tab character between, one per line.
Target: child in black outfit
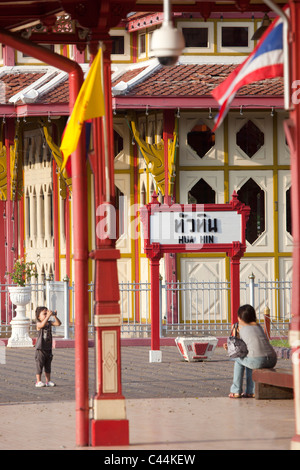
43	347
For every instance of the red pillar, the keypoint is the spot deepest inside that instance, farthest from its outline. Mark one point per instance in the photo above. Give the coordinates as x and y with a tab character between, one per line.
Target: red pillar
55	222
109	426
2	256
170	258
21	227
293	136
10	206
235	287
136	239
155	354
80	250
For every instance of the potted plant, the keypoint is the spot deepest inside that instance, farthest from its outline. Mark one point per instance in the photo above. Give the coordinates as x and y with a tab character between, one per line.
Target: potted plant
22	272
20	296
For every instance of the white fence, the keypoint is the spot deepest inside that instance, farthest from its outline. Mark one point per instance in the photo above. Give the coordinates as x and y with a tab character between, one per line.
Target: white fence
190	307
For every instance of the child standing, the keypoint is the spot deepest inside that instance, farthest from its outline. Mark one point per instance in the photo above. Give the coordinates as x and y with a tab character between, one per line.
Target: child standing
43	347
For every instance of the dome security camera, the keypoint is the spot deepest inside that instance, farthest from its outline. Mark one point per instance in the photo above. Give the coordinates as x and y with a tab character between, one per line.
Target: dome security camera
167	44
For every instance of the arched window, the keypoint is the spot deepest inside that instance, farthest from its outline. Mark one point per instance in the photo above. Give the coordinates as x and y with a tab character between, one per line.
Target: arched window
252	195
201	193
288	221
118	143
250	138
201	139
120	212
143	195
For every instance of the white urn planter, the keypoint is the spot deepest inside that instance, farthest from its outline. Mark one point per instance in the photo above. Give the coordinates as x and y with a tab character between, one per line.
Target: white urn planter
20	296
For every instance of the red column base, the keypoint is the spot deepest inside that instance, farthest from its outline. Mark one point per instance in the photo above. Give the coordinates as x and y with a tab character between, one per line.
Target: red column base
109	432
295	443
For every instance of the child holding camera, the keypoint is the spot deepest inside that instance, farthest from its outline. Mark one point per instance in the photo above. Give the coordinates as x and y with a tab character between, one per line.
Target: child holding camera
43	347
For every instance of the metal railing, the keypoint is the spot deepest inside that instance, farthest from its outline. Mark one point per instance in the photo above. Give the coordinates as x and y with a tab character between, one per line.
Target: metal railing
186	307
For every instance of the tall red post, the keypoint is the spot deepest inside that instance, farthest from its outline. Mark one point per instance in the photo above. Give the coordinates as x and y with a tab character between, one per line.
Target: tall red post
10	205
235	287
109	426
170	258
155	355
293	137
80	250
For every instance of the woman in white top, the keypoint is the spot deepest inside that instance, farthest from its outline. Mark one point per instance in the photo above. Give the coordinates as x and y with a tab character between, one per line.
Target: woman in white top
260	355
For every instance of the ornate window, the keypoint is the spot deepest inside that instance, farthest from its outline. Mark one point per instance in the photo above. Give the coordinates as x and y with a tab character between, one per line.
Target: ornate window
201	139
201	193
252	195
288	221
250	138
118	143
120	212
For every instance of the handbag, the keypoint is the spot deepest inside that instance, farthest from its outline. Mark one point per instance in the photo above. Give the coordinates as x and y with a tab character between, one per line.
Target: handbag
236	347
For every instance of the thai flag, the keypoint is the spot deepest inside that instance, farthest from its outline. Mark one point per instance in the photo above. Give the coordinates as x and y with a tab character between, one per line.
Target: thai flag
265	61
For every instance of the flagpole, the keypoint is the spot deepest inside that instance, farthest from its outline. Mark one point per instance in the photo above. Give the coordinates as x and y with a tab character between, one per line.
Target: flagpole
109	425
286	65
106	157
292	127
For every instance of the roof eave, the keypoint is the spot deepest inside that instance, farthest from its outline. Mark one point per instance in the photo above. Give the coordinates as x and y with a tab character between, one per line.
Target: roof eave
194	102
35	110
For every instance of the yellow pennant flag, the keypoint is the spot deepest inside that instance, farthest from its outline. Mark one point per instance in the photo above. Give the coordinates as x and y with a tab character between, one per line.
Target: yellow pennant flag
89	104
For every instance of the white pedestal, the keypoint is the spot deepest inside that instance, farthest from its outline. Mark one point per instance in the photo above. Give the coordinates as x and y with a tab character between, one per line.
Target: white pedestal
20	334
20	296
155	356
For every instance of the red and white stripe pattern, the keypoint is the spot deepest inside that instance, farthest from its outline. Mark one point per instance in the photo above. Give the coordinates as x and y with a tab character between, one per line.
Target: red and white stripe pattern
265	61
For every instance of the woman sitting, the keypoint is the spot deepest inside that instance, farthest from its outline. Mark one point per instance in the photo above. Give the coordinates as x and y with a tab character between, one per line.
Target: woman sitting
260	355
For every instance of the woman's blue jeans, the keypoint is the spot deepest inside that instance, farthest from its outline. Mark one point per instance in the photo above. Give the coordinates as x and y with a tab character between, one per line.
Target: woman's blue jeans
246	365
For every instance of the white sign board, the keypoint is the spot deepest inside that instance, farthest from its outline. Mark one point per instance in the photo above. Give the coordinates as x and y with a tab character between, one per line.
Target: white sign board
209	227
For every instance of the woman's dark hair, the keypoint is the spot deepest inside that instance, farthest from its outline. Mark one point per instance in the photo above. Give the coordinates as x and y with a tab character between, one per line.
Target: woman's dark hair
38	310
247	313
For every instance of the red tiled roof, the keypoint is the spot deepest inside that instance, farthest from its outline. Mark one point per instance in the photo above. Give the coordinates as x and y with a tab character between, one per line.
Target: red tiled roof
15	83
59	94
196	80
180	80
129	75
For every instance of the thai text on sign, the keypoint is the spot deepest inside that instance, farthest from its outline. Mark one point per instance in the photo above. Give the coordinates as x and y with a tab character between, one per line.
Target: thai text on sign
195	227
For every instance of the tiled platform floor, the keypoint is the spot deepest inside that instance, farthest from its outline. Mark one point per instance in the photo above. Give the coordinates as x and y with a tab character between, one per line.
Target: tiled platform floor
170	405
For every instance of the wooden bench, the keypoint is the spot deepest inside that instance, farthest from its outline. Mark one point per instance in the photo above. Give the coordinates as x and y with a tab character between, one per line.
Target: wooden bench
273	383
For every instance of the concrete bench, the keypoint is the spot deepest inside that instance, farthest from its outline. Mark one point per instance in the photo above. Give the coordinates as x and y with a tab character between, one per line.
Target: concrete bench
273	383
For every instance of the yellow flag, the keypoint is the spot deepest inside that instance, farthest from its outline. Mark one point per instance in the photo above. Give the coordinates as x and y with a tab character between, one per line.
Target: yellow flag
89	104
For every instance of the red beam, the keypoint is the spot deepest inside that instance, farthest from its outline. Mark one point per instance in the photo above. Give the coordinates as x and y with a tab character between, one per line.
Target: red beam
193	102
48	109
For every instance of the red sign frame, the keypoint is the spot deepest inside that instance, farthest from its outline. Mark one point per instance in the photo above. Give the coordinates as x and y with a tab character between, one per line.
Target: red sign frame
155	251
235	248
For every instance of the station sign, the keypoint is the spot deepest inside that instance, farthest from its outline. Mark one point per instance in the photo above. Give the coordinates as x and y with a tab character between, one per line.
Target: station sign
195	227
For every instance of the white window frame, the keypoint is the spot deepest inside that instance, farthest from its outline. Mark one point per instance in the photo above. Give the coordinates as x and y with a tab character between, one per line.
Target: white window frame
32	60
149	37
244	24
126	55
192	24
142	55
